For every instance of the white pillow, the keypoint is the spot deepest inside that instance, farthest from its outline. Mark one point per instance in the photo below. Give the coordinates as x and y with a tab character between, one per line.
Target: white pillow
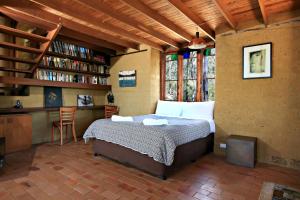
198	110
169	108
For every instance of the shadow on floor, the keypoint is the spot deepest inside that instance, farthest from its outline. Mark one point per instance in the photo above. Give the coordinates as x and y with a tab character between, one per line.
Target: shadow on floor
18	164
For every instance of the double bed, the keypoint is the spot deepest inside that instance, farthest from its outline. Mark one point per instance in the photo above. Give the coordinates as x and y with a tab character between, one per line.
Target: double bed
158	150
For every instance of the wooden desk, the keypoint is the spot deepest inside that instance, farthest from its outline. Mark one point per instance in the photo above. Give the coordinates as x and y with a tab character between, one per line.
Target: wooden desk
40	109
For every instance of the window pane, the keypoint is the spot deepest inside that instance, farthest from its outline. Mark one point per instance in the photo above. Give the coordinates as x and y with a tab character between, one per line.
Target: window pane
171	90
193	54
185	68
171	70
168	57
211	66
190	68
189	90
193	69
211	89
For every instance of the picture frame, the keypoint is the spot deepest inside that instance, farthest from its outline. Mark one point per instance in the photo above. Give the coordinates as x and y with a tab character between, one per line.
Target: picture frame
85	100
127	78
257	61
52	97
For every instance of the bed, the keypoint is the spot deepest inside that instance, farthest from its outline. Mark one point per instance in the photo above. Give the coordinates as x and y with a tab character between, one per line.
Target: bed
157	150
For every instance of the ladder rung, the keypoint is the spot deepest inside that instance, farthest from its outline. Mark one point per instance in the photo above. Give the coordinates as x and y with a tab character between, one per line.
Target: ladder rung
14	59
19	47
22	34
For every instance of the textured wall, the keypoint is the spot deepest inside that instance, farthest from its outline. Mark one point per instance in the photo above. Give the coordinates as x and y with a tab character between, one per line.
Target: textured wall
142	98
268	109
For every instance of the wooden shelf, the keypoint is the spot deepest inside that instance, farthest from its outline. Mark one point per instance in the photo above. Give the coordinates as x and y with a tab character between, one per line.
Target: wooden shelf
40	109
14	59
50	53
22	34
36	82
19	47
73	71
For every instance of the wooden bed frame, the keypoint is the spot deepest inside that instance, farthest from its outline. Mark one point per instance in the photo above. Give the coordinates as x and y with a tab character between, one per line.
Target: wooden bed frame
184	154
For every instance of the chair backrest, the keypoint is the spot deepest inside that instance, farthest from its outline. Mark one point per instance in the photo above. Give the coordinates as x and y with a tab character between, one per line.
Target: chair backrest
67	114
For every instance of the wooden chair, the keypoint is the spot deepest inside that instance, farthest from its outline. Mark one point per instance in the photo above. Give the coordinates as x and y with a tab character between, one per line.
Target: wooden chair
66	118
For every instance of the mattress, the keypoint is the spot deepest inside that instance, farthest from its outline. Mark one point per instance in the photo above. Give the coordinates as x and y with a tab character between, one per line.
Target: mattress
158	142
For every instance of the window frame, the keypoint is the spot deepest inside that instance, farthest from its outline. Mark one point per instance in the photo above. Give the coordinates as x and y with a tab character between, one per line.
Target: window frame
180	72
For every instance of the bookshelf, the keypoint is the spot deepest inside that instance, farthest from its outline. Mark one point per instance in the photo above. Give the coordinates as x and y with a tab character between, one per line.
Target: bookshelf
67	62
35	82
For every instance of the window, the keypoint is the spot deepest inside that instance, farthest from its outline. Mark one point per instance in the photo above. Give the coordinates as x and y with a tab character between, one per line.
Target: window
171	77
188	76
209	75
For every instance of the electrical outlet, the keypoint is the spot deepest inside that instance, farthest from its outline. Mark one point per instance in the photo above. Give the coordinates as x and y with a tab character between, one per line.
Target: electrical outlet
222	145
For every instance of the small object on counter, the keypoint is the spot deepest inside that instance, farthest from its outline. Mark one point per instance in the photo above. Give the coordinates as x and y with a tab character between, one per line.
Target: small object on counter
18	104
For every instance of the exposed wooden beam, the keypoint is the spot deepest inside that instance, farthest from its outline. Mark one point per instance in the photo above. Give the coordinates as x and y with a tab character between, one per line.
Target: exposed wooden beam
45	46
68	10
39	15
193	17
263	11
222	8
153	14
102	7
43	24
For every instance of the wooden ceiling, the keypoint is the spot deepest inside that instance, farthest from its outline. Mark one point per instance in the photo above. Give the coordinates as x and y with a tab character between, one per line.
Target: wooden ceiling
122	24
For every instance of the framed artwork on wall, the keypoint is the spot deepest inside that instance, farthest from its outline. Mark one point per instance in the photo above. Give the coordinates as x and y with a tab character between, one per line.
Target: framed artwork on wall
257	61
85	100
127	78
52	97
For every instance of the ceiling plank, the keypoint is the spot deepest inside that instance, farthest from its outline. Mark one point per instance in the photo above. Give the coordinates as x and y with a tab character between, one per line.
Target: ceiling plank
263	11
69	11
102	7
39	15
179	5
220	4
153	14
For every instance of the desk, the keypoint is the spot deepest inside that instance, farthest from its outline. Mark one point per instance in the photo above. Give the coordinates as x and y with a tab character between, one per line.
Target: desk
4	111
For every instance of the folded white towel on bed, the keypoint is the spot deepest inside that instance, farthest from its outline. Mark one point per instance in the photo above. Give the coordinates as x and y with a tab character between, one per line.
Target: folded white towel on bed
117	118
155	122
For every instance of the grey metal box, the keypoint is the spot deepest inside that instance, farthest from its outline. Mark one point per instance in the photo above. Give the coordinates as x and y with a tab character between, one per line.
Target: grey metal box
241	150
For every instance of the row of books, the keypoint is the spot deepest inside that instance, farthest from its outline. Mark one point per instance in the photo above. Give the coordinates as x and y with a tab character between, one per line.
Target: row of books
61	47
66	77
65	63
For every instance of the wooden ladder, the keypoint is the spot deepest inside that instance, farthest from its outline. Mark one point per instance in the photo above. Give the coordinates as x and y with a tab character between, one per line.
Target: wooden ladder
45	43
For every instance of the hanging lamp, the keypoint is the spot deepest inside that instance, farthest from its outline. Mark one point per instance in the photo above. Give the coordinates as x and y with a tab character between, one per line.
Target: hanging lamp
197	43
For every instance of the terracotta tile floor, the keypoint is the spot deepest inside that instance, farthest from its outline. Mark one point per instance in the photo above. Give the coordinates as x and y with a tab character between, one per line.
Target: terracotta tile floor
72	172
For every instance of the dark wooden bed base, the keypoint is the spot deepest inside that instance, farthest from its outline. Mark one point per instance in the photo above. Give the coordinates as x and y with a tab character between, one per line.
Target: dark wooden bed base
184	154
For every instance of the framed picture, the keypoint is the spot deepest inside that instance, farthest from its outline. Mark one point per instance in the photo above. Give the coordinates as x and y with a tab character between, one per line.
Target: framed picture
257	61
127	78
52	97
85	100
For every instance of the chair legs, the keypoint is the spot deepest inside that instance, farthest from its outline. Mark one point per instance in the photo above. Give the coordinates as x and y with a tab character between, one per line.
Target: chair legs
74	132
60	128
61	134
52	133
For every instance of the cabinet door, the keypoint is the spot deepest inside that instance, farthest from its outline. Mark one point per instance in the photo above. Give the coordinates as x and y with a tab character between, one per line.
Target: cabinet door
18	132
2	125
